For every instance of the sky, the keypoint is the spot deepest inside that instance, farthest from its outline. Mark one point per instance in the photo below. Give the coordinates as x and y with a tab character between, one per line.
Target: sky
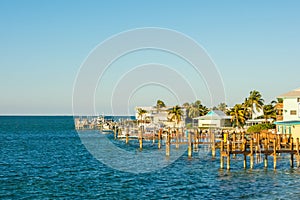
43	45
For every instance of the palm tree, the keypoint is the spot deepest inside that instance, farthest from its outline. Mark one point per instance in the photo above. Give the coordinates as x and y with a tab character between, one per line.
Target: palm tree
186	105
203	110
237	115
247	109
160	104
193	111
222	107
141	112
175	114
197	103
269	112
255	99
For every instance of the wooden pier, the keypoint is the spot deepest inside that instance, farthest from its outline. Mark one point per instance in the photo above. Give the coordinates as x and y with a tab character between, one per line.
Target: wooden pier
257	147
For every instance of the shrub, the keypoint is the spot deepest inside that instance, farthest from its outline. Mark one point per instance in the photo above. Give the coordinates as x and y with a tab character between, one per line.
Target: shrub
259	127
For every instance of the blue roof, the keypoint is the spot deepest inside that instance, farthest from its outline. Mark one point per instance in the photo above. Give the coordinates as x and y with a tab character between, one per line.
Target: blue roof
287	122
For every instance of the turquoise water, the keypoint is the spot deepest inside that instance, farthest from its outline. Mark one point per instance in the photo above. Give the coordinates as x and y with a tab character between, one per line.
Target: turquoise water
43	158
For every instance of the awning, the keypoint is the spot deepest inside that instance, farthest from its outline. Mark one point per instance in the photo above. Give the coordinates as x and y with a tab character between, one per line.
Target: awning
287	123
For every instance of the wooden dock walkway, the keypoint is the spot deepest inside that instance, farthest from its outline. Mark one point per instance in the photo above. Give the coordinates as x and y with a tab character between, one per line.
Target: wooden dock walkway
251	146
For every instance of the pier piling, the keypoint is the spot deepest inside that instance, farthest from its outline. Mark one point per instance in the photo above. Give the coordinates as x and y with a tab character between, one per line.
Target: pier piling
251	154
177	139
228	155
275	153
221	155
292	154
190	147
168	145
298	155
141	138
266	153
159	139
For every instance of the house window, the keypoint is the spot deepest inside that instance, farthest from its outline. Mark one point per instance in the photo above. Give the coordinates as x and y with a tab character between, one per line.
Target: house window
293	112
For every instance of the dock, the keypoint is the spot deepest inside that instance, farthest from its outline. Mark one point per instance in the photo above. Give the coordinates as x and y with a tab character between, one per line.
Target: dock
257	147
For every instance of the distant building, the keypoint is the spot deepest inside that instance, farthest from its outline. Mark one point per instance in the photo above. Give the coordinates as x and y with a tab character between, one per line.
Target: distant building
214	119
159	117
251	122
289	123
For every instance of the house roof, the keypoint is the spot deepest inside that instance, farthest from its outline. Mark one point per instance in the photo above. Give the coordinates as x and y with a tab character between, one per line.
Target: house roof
293	93
214	115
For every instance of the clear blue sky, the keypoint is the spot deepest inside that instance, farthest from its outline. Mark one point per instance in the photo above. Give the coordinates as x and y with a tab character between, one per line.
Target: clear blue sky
255	44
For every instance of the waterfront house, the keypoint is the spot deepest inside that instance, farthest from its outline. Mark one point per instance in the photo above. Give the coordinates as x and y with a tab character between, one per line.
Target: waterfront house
288	118
158	117
214	119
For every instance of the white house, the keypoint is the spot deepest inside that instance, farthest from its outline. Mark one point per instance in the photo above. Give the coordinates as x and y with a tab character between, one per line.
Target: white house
160	116
291	105
214	119
290	123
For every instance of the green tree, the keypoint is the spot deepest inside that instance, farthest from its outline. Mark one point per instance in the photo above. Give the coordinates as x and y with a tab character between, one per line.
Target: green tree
203	110
247	109
193	111
237	115
176	114
254	99
160	104
186	105
269	112
279	100
259	127
196	109
222	107
197	103
141	112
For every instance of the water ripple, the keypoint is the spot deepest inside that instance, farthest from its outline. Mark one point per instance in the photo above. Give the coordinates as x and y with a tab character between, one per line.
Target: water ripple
43	158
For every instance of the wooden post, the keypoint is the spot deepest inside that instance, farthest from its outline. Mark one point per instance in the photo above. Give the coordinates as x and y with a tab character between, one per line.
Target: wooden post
127	135
127	138
266	153
195	142
213	148
274	153
251	154
278	141
257	148
244	152
168	144
141	138
233	144
159	139
153	137
189	145
115	132
228	155
292	153
243	135
257	153
298	155
221	156
177	139
225	135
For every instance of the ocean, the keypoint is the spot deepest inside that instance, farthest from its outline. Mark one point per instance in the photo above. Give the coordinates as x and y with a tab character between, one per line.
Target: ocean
44	158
